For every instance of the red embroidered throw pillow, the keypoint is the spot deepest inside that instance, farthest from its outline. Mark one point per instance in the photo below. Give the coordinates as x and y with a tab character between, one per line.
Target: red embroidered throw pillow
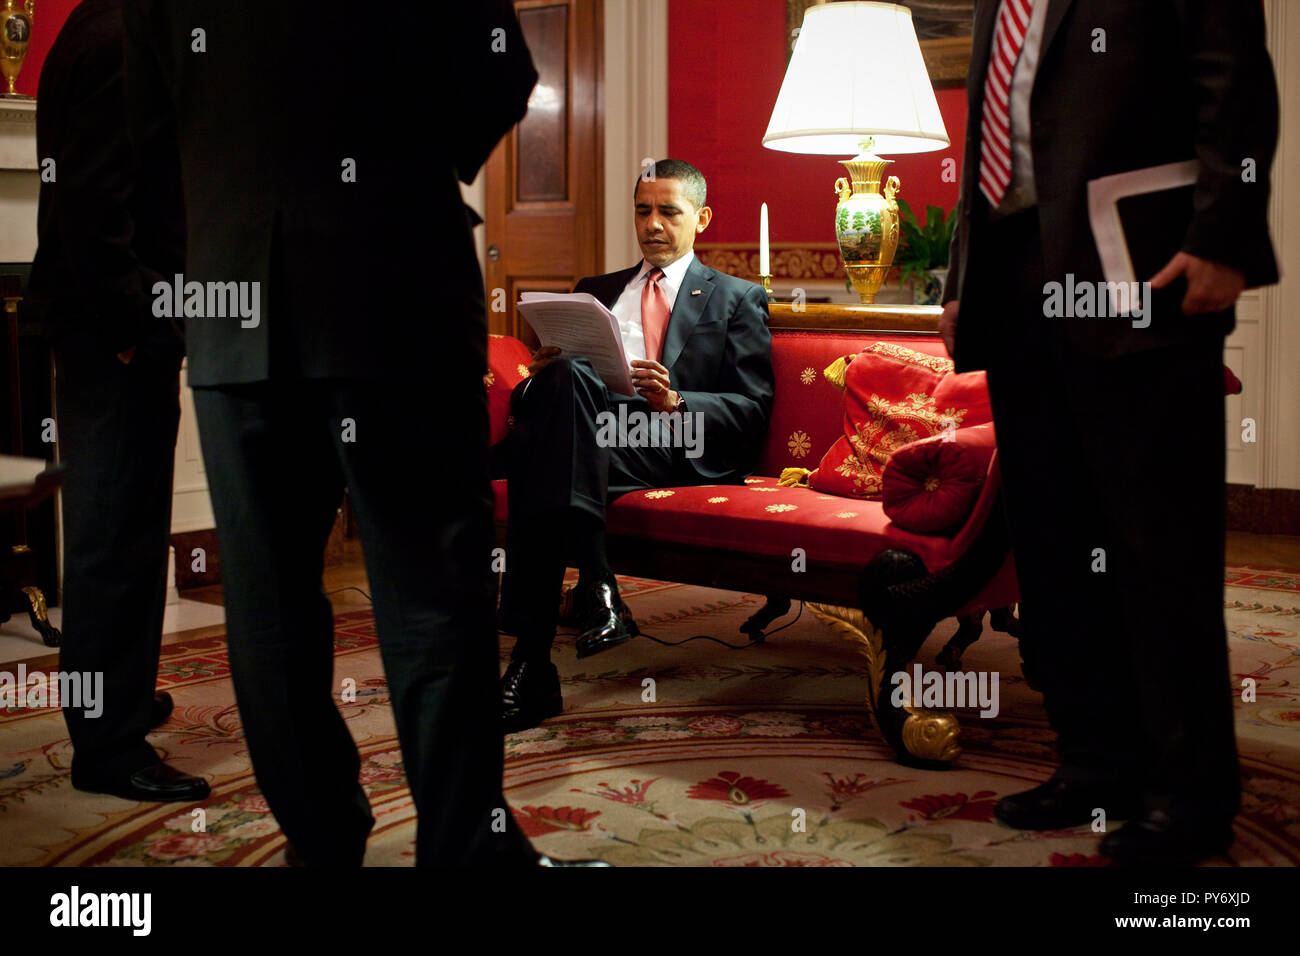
894	396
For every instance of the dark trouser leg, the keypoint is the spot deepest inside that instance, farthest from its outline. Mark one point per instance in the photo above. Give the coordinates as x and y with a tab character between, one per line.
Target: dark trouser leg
117	437
1070	631
425	514
1157	435
276	487
535	563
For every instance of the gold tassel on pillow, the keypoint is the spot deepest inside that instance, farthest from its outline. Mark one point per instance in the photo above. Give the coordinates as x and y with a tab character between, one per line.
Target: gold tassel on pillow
835	371
794	478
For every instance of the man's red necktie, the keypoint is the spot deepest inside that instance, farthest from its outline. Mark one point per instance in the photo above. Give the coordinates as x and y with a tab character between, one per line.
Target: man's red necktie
654	315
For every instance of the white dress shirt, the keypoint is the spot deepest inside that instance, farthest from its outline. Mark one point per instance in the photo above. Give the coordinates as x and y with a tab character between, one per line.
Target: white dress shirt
628	307
1021	192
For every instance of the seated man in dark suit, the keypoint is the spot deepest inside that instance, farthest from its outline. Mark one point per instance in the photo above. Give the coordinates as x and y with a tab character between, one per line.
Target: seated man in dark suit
698	346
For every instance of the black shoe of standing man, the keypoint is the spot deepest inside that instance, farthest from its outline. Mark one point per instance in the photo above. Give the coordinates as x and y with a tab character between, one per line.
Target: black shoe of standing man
1060	803
530	693
155	783
1158	839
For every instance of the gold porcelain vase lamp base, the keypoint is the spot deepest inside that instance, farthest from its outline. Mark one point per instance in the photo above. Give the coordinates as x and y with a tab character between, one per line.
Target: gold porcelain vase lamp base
866	223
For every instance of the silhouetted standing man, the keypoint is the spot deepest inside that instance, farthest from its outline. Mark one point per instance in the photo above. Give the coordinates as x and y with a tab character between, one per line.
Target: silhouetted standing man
327	175
110	225
1110	427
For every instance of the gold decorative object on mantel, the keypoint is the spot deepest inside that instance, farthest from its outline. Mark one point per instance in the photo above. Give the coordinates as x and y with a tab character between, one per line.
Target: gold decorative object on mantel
857	83
15	36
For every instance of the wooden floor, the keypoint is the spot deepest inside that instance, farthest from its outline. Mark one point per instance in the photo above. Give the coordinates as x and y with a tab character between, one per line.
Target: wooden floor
1263	550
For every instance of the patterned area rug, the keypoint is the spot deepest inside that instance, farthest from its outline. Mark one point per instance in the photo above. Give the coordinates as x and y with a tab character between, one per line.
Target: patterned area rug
672	756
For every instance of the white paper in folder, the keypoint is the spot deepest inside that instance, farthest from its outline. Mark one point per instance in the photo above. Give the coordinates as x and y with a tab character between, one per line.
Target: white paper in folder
580	326
1105	196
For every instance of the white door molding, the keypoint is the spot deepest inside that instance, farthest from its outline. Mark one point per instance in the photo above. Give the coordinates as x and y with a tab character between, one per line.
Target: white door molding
1279	341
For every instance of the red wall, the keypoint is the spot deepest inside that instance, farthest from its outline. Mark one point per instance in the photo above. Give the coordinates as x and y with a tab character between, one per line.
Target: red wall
47	20
726	60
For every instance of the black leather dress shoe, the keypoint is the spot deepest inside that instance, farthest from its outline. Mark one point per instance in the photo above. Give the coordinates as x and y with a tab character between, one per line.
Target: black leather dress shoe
162	708
550	861
530	693
607	621
1057	804
1157	839
157	783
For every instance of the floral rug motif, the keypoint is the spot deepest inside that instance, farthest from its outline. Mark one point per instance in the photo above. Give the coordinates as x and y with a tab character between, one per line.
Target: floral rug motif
695	755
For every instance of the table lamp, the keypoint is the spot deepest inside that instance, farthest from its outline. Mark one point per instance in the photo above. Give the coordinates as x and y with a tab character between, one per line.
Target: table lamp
857	83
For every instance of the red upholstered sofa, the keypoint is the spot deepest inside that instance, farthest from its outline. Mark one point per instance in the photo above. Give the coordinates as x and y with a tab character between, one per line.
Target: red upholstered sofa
877	583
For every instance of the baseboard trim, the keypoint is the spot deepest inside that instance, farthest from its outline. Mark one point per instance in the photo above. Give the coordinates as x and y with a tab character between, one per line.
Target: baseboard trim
1263	510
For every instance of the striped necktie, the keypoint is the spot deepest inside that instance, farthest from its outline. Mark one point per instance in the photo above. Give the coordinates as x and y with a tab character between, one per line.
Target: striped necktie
995	125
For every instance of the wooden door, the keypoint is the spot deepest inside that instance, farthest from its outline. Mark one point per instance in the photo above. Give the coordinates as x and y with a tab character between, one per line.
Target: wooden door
544	182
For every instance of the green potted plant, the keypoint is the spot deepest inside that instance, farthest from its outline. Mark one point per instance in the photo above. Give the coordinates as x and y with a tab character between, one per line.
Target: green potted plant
922	254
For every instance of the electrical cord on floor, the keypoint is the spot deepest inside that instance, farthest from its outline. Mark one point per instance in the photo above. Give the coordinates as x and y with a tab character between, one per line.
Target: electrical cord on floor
759	639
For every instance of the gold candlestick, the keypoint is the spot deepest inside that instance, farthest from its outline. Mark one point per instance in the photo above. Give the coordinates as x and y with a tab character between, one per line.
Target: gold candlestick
767	283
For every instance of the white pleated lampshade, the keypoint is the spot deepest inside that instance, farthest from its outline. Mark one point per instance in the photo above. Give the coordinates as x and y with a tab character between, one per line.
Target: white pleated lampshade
857	71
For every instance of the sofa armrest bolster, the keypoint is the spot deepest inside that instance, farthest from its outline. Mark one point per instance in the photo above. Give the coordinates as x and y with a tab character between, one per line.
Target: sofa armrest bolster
932	486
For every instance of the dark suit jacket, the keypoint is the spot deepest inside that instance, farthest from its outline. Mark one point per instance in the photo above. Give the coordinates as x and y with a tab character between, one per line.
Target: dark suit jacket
718	353
1180	79
359	279
110	224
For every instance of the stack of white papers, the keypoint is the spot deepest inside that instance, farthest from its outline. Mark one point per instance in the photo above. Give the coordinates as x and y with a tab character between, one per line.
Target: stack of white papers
580	326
